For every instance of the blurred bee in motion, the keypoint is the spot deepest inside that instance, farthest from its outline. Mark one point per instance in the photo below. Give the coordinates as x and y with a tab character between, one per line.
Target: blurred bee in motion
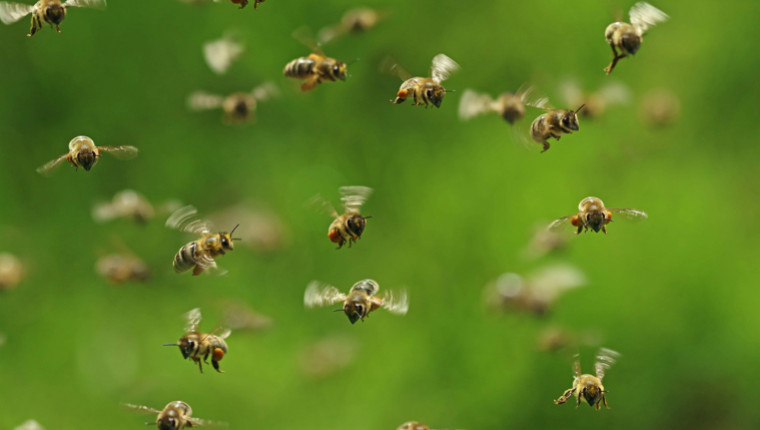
348	227
176	415
424	91
220	54
30	425
625	39
593	215
44	12
195	344
359	302
264	229
536	293
327	356
316	68
354	21
544	242
413	425
120	268
554	124
242	318
659	108
589	387
510	106
127	204
595	103
554	339
12	271
83	152
238	108
199	254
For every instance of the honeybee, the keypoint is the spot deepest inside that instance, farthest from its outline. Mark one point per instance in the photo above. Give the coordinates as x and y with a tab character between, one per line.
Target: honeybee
11	271
511	106
127	204
177	415
43	12
595	103
535	293
30	425
349	226
195	344
264	230
83	152
625	37
413	425
589	387
316	68
425	90
241	318
238	107
592	214
120	268
554	124
554	339
356	20
328	356
219	54
544	242
659	108
200	253
359	302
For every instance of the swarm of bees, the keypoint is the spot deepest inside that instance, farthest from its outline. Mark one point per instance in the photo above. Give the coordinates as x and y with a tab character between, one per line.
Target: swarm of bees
238	107
425	91
83	152
50	12
625	39
349	226
593	215
176	415
589	387
359	302
194	344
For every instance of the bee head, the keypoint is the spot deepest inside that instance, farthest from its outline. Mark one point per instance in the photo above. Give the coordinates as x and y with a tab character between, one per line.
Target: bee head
592	394
226	239
240	108
87	159
340	70
630	41
595	220
355	310
355	224
435	95
55	13
186	347
167	423
570	120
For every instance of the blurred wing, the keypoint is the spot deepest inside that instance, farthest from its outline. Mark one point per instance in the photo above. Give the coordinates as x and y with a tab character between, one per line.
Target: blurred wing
604	359
390	66
124	152
329	33
561	224
140	408
397	304
571	92
50	166
265	91
644	15
207	423
192	319
200	100
630	214
577	366
319	204
353	197
530	97
12	12
551	281
184	219
221	53
102	212
442	68
473	104
614	93
318	295
222	331
95	4
306	37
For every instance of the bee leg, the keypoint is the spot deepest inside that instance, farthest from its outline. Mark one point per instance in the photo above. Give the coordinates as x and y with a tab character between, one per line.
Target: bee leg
565	396
604	399
546	146
200	366
216	366
57	29
580	229
34	26
197	270
604	230
244	3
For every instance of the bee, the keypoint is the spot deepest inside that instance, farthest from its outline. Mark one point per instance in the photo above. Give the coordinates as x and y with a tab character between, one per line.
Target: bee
425	90
535	293
625	37
510	106
127	204
11	271
348	227
237	107
198	254
592	214
316	68
195	344
30	425
413	425
659	108
264	232
589	387
176	415
544	242
554	124
43	12
239	317
83	152
359	302
244	3
356	20
328	356
120	268
220	54
595	103
554	339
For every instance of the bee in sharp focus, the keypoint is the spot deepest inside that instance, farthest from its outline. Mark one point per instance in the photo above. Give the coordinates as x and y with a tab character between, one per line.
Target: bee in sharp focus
348	227
199	254
589	387
238	107
425	91
354	21
43	12
83	152
359	302
535	293
554	124
625	39
595	103
176	415
510	106
593	215
11	271
195	344
315	68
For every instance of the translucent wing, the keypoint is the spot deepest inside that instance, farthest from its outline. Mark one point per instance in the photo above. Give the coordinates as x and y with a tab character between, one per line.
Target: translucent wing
329	33
140	408
219	54
630	214
473	104
50	166
201	100
396	303
577	366
12	12
192	319
321	205
390	66
613	93
184	219
124	152
644	15
530	97
95	4
571	92
604	359
442	67
561	223
318	294
265	91
305	36
354	196
208	423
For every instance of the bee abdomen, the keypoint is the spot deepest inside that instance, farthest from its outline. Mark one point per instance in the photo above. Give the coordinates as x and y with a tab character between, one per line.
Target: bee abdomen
185	258
300	68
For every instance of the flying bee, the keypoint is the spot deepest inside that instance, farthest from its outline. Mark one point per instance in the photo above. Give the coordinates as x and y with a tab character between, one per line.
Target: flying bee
554	124
11	271
328	356
589	387
425	90
354	21
43	12
626	38
413	425
83	152
220	54
592	214
348	227
237	107
30	425
659	108
595	103
195	344
198	254
510	106
127	204
176	415
244	3
120	268
544	242
316	68
359	302
535	293
264	230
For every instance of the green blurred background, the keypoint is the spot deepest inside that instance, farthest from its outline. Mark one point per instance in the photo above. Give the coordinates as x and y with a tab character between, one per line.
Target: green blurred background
455	204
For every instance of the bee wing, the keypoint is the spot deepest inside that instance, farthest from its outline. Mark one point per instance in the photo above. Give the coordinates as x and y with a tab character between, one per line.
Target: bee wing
396	303
12	12
105	211
184	219
390	66
318	294
265	91
95	4
561	223
306	37
604	359
577	366
321	205
354	196
613	93
530	97
123	152
201	100
644	15
473	104
329	33
192	319
630	214
50	166
140	408
442	68
219	54
571	92
208	423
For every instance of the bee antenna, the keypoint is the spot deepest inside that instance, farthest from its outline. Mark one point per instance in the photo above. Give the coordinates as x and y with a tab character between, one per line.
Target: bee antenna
233	230
337	310
579	109
352	62
450	91
170	344
368	217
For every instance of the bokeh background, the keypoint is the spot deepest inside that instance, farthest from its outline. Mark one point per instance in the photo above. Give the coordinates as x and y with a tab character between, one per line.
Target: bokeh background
455	205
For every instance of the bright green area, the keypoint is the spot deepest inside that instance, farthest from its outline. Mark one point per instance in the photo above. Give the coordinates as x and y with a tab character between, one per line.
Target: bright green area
454	205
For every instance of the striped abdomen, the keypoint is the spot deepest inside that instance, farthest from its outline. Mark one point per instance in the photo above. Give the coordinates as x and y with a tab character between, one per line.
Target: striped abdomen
300	68
185	258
